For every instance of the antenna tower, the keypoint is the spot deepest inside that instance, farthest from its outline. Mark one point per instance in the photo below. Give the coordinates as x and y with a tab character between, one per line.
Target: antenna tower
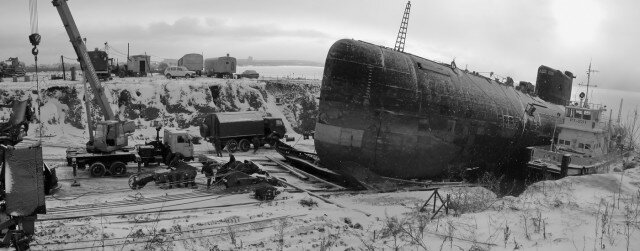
402	33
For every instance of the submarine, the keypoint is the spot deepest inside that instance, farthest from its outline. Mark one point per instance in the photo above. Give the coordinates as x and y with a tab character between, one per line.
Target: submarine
403	116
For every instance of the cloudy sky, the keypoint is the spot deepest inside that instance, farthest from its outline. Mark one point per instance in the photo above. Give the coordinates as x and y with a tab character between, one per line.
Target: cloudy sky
508	37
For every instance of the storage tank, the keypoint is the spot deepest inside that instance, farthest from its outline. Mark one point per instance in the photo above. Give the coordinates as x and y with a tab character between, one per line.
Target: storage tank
222	67
400	115
193	62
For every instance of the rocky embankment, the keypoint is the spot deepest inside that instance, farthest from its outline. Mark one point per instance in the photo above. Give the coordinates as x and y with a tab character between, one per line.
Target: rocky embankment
179	103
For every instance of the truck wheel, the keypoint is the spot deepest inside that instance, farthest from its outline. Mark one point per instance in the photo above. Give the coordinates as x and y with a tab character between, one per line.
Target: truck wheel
168	76
174	161
117	168
232	145
244	145
168	158
97	169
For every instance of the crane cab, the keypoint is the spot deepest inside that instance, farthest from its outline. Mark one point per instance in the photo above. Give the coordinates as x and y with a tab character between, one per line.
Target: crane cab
110	136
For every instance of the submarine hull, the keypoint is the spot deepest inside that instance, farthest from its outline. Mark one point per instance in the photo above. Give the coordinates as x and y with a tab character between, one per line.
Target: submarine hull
400	115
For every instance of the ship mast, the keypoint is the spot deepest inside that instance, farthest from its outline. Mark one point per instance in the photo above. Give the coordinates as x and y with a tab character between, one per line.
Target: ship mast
586	99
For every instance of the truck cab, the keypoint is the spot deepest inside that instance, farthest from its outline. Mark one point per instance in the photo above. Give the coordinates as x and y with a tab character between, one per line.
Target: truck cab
178	141
274	125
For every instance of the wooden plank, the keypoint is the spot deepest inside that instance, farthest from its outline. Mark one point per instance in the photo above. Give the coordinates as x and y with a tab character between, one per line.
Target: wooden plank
322	198
289	168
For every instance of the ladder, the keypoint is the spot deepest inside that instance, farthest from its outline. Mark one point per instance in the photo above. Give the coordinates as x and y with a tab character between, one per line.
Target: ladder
402	33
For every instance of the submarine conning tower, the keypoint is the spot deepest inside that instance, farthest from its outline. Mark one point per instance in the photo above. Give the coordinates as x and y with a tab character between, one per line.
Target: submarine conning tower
553	85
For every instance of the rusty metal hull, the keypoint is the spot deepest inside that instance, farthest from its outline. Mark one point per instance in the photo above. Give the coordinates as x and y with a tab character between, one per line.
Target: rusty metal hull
404	116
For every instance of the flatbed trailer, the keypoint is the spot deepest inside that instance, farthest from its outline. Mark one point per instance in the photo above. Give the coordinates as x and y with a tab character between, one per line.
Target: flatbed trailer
114	163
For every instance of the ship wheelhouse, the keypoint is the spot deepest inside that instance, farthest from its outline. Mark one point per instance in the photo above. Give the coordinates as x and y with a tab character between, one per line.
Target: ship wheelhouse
583	131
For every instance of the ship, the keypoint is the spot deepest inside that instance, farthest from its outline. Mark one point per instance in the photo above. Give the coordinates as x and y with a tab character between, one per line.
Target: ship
583	146
403	116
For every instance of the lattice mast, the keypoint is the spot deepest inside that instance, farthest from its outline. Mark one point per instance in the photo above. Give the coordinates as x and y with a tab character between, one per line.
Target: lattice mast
402	33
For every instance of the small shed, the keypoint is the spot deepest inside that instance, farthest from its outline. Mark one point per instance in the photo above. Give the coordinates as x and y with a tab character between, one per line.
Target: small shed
140	64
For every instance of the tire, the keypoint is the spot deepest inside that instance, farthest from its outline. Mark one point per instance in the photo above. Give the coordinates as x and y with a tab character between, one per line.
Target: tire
176	157
187	76
168	76
117	168
132	180
168	158
244	145
69	162
232	145
97	169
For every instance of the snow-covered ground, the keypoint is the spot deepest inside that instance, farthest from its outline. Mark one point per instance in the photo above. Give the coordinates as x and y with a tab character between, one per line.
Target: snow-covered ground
583	213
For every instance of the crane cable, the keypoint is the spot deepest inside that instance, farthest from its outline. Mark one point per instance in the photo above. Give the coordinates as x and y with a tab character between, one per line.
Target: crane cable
35	38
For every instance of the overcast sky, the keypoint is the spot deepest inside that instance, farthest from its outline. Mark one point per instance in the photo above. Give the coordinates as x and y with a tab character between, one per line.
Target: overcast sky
508	37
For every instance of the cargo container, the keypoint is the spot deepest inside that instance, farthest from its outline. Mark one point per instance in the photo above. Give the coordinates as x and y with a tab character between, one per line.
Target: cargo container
193	62
139	65
222	67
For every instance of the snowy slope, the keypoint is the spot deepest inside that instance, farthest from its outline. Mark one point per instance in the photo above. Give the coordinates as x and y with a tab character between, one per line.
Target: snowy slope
178	103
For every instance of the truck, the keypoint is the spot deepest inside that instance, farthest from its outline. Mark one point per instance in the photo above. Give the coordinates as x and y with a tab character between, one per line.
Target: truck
222	67
100	62
175	145
193	62
237	130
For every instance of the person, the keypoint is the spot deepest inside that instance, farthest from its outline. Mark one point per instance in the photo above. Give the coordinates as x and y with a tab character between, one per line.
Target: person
256	144
218	145
208	171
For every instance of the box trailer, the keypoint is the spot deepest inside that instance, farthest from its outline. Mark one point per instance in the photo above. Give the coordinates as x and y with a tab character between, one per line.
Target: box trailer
193	62
222	67
139	65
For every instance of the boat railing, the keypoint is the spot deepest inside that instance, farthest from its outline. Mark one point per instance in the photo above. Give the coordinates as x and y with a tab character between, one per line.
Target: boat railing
582	104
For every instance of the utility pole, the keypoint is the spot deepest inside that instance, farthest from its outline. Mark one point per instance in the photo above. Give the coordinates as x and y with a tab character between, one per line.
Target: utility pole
402	32
127	52
633	128
64	75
